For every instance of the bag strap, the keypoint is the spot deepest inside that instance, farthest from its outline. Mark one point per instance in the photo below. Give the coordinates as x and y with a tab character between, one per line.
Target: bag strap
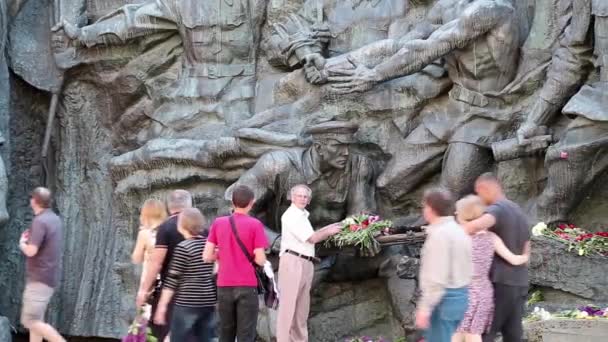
239	241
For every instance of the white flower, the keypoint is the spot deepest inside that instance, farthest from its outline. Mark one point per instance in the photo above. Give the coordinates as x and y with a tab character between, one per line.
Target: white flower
539	229
349	221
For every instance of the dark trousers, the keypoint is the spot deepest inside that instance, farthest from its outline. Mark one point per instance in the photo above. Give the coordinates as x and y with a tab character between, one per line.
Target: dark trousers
509	302
238	310
192	322
159	331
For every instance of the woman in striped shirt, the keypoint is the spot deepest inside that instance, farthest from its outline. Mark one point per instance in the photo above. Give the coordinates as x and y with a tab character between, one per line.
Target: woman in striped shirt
189	283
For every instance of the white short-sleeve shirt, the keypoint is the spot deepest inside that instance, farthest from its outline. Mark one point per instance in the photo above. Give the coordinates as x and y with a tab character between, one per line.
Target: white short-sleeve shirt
295	231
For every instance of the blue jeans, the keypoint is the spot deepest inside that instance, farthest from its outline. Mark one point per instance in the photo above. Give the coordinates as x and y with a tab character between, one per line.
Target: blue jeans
447	315
188	323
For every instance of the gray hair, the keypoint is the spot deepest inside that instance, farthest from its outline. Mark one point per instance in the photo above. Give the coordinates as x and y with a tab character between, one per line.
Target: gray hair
179	200
300	186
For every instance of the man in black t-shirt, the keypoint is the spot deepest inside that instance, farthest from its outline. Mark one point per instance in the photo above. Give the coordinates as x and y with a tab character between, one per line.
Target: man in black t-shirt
167	238
507	220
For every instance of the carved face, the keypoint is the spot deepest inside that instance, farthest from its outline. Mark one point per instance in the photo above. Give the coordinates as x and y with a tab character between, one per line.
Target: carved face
333	153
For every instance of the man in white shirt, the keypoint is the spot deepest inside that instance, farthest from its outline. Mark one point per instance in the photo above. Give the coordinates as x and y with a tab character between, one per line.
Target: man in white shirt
296	268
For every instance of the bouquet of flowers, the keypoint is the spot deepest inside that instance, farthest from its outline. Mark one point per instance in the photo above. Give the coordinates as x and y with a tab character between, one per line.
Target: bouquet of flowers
360	231
577	239
139	330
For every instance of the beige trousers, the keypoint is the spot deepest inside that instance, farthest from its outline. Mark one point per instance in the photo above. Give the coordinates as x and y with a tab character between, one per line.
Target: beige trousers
295	280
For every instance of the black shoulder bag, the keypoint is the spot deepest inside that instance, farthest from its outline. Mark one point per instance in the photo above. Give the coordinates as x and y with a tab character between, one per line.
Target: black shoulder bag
265	284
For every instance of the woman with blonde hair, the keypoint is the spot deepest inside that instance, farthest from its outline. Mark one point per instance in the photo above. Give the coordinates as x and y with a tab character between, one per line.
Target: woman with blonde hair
478	318
152	214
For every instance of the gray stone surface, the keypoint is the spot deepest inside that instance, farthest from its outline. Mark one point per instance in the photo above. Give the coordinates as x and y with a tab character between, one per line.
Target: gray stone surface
566	330
5	330
136	118
553	266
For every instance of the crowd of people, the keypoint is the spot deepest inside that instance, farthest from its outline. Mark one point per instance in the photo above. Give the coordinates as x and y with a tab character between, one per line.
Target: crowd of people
468	293
191	272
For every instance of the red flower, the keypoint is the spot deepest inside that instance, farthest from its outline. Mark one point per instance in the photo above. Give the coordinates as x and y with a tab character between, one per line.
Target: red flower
571	225
353	227
561	226
365	223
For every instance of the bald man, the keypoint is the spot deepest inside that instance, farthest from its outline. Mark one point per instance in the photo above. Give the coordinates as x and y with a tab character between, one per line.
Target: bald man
41	244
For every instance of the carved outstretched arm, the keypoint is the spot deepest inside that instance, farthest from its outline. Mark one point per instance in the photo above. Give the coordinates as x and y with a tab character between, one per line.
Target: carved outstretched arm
261	178
298	35
128	22
413	56
566	73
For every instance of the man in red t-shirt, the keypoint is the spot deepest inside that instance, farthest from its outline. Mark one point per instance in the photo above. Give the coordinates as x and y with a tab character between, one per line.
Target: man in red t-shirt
237	283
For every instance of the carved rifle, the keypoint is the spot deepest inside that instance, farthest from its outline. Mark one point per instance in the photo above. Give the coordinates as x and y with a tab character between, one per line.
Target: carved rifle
55	17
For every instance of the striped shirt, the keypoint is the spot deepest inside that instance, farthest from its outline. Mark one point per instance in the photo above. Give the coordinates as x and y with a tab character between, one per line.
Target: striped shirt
190	277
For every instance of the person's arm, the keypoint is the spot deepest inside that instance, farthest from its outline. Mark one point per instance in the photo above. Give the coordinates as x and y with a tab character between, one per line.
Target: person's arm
137	257
157	258
177	267
210	251
260	243
325	232
37	233
210	254
505	253
484	222
434	272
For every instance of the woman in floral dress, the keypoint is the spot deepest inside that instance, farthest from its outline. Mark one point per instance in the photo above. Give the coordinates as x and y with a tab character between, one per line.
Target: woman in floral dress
478	317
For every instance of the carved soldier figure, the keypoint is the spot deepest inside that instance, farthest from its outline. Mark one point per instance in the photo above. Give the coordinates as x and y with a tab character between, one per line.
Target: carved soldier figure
479	40
220	38
344	181
581	155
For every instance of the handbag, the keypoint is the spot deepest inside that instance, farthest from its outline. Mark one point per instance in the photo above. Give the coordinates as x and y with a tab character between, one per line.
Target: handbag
266	285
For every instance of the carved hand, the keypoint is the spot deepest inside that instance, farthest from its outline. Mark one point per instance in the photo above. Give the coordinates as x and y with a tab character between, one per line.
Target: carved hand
529	130
358	79
322	33
314	71
73	32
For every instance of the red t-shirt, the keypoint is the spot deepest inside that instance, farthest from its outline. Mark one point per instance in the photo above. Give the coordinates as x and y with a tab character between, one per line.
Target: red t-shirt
235	269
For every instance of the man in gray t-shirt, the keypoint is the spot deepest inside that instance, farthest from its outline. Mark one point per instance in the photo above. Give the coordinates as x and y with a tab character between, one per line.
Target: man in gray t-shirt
41	244
508	221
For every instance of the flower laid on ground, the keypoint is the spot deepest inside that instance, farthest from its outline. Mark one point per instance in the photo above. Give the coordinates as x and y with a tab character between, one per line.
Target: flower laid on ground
539	314
585	312
372	339
360	231
536	297
578	240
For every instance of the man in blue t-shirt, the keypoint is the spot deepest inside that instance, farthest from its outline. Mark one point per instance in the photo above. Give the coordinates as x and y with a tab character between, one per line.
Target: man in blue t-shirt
507	220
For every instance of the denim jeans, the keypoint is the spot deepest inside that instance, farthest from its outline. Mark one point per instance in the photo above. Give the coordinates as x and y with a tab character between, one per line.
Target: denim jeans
447	315
192	324
238	310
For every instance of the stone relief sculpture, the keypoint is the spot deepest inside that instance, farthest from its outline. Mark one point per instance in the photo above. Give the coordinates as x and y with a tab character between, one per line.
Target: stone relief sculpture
345	180
364	100
479	41
585	140
3	188
216	86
